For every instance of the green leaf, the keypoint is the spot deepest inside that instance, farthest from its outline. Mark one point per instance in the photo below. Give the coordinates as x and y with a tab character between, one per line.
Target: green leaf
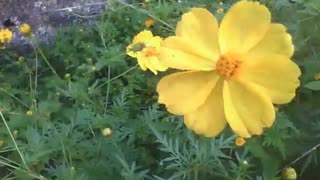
313	85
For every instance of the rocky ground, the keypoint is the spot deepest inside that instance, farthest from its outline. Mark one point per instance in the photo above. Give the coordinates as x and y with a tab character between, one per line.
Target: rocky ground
46	16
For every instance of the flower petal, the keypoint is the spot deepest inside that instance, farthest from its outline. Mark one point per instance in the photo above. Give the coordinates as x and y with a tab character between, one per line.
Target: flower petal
177	53
130	52
277	76
142	61
247	110
243	27
276	41
143	37
154	42
200	28
195	46
155	65
184	92
209	118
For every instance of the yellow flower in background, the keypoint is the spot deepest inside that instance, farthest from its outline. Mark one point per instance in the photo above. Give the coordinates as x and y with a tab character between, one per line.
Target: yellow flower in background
29	113
145	47
5	37
220	10
106	132
234	72
145	3
25	29
149	22
289	174
317	76
240	141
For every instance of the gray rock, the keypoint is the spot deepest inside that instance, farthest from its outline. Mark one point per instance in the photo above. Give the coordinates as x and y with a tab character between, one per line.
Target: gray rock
46	16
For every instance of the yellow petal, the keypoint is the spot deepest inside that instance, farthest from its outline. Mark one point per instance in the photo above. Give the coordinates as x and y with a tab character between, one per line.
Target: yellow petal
208	119
277	76
200	29
154	42
178	54
184	92
142	37
130	52
276	41
247	110
142	61
155	65
244	25
195	46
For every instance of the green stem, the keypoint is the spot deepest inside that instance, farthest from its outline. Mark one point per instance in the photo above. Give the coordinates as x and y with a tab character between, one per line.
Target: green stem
14	141
114	78
14	97
48	63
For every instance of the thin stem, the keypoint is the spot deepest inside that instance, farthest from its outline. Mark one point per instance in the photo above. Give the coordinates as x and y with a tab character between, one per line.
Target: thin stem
14	97
48	63
18	168
109	68
196	174
301	156
118	148
305	154
14	141
114	78
146	12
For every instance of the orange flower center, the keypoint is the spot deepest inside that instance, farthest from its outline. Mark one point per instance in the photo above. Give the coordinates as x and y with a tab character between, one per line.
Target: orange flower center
227	66
150	51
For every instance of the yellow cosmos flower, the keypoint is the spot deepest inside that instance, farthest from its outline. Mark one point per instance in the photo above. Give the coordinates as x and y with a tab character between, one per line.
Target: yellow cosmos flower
145	47
25	29
235	71
149	22
5	36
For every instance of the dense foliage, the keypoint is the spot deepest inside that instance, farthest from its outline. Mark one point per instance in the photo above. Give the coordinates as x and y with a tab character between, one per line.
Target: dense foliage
58	102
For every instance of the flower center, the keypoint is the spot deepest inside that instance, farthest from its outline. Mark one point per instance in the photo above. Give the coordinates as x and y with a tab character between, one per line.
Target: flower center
227	66
150	51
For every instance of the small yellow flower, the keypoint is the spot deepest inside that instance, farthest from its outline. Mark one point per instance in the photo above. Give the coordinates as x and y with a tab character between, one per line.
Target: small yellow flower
93	68
21	59
15	132
240	141
5	37
1	142
29	113
145	47
221	3
149	22
106	132
289	174
145	3
220	10
25	29
276	109
317	76
232	72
